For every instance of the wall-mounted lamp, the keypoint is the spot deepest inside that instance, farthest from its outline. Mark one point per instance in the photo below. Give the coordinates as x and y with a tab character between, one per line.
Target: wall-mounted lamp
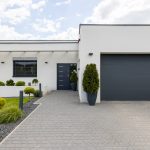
90	54
2	62
46	62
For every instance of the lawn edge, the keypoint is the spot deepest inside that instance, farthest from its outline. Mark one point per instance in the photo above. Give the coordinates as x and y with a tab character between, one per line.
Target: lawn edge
39	104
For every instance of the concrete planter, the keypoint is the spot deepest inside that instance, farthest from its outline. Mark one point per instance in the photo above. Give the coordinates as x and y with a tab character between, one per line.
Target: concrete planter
91	98
12	91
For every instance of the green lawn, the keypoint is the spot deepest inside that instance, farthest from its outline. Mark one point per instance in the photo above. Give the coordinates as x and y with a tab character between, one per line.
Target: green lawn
15	101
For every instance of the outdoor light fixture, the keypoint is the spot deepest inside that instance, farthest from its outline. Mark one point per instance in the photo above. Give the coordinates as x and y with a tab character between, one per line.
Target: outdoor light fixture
90	54
46	62
2	62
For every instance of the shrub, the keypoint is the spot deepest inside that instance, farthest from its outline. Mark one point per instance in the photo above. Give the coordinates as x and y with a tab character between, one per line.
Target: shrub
2	102
35	81
10	82
73	76
10	114
37	93
90	79
29	90
20	83
2	83
73	67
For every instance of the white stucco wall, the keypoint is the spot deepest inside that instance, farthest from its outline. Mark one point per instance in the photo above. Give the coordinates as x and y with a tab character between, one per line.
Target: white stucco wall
38	45
13	91
93	38
46	73
109	39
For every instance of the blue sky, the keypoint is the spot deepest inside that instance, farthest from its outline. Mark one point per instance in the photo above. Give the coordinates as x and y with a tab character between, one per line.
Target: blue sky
60	19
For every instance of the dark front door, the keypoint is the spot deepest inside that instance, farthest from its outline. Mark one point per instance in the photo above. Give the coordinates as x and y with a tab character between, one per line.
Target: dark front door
125	77
63	76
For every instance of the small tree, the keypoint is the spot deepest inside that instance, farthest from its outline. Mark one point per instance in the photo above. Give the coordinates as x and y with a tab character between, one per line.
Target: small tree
73	76
90	79
35	81
29	91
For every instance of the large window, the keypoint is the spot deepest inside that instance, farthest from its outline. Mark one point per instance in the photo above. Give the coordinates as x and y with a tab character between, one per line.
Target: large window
25	68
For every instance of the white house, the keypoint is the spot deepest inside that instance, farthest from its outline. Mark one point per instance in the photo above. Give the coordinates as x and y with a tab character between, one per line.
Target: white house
121	53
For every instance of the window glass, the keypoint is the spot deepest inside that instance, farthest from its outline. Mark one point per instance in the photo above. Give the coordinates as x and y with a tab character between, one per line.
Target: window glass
25	68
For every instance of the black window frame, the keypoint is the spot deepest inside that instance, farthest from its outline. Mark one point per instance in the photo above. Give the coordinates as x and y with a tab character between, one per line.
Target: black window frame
25	74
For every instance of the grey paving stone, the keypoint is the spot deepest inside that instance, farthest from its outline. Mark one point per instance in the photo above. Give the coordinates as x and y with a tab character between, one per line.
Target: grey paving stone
62	123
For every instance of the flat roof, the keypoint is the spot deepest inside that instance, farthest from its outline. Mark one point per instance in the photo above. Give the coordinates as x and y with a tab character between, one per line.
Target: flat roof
38	41
112	25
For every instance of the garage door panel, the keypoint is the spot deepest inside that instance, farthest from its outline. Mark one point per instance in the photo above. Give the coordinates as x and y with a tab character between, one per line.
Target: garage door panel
125	77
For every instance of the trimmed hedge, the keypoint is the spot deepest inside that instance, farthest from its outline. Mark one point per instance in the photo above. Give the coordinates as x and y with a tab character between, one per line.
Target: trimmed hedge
20	83
10	82
2	83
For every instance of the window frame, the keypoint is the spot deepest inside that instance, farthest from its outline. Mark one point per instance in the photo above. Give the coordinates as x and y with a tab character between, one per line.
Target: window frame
24	75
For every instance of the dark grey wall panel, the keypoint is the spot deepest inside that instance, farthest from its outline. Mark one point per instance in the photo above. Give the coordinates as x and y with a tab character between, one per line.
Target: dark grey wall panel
125	77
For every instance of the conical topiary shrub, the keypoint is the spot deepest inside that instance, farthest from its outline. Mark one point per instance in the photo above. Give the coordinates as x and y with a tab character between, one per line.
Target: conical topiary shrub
73	80
91	83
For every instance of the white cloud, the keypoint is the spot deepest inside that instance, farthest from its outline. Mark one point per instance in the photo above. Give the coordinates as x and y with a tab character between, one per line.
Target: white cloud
64	2
45	25
16	15
39	5
70	34
16	11
120	11
78	14
10	3
9	33
61	19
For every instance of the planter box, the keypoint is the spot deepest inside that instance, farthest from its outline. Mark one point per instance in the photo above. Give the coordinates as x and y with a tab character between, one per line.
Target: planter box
13	91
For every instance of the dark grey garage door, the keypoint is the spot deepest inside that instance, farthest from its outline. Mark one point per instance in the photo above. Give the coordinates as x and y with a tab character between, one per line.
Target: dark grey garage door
125	77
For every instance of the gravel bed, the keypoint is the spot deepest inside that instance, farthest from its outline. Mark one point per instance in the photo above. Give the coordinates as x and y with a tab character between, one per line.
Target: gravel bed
5	129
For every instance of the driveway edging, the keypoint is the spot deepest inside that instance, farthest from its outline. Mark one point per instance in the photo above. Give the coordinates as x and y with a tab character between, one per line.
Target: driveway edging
39	104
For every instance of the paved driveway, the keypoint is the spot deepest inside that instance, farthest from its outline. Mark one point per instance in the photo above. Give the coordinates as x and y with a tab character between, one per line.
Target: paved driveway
62	123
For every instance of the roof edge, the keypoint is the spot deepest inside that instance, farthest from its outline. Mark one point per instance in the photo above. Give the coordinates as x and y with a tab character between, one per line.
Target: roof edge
112	25
37	41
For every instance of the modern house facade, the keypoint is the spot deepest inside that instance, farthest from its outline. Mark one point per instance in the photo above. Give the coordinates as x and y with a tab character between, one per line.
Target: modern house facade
121	53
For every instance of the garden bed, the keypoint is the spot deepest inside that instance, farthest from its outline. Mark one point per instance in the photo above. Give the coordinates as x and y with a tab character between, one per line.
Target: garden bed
5	129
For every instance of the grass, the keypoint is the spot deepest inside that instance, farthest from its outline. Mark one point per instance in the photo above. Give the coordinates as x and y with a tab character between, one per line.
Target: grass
15	101
11	112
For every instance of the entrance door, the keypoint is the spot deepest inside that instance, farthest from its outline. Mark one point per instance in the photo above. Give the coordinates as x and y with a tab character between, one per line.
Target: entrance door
63	76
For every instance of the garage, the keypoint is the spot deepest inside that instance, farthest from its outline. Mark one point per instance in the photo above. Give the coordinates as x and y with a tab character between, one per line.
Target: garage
125	77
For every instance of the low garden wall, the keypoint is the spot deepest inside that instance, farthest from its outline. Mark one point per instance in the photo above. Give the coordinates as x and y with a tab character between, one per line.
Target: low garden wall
13	91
